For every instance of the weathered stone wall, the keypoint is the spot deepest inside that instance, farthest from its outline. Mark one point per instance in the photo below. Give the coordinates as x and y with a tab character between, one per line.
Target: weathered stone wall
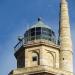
66	55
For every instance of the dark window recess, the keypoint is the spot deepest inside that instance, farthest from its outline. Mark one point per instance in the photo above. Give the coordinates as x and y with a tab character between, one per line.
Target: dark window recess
38	33
38	29
26	34
34	58
33	34
63	58
53	33
50	34
33	30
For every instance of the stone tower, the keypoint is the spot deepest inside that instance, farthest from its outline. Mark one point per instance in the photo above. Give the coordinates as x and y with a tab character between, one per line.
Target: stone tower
38	53
66	53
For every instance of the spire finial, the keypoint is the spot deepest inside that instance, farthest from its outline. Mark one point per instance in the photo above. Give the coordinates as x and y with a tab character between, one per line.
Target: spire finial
39	18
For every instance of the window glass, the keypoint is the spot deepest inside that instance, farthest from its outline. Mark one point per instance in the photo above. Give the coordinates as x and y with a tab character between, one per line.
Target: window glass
32	33
33	38
33	30
38	29
46	31
38	33
38	37
53	33
26	34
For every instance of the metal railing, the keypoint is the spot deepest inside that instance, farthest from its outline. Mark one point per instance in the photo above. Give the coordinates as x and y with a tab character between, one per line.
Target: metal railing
19	45
23	42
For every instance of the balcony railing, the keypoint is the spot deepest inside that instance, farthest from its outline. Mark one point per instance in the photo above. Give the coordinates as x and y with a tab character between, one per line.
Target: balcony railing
24	42
19	45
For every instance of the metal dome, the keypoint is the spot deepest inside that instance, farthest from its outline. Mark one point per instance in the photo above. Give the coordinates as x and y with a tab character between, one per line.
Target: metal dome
40	31
40	24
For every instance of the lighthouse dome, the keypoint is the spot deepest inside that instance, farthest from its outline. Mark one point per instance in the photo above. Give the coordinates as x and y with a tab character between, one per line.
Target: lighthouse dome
40	31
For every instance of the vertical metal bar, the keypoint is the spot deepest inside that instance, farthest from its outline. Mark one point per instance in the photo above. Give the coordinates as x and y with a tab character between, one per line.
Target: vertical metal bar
35	32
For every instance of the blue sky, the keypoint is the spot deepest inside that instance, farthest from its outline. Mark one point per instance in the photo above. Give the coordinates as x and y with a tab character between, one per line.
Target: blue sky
17	15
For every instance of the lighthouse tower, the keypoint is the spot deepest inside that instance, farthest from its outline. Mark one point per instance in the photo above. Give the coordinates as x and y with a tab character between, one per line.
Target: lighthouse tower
38	52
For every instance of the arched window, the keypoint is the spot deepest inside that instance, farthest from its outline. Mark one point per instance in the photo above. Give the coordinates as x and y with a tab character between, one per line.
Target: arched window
35	58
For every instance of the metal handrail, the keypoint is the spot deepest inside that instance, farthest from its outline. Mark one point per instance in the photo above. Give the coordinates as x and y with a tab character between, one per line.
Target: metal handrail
23	42
19	45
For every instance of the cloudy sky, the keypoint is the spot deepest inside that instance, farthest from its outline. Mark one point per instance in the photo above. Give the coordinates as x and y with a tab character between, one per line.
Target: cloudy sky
17	15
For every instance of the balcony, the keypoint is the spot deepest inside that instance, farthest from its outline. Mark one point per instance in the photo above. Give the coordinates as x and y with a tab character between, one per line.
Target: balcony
23	44
19	45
